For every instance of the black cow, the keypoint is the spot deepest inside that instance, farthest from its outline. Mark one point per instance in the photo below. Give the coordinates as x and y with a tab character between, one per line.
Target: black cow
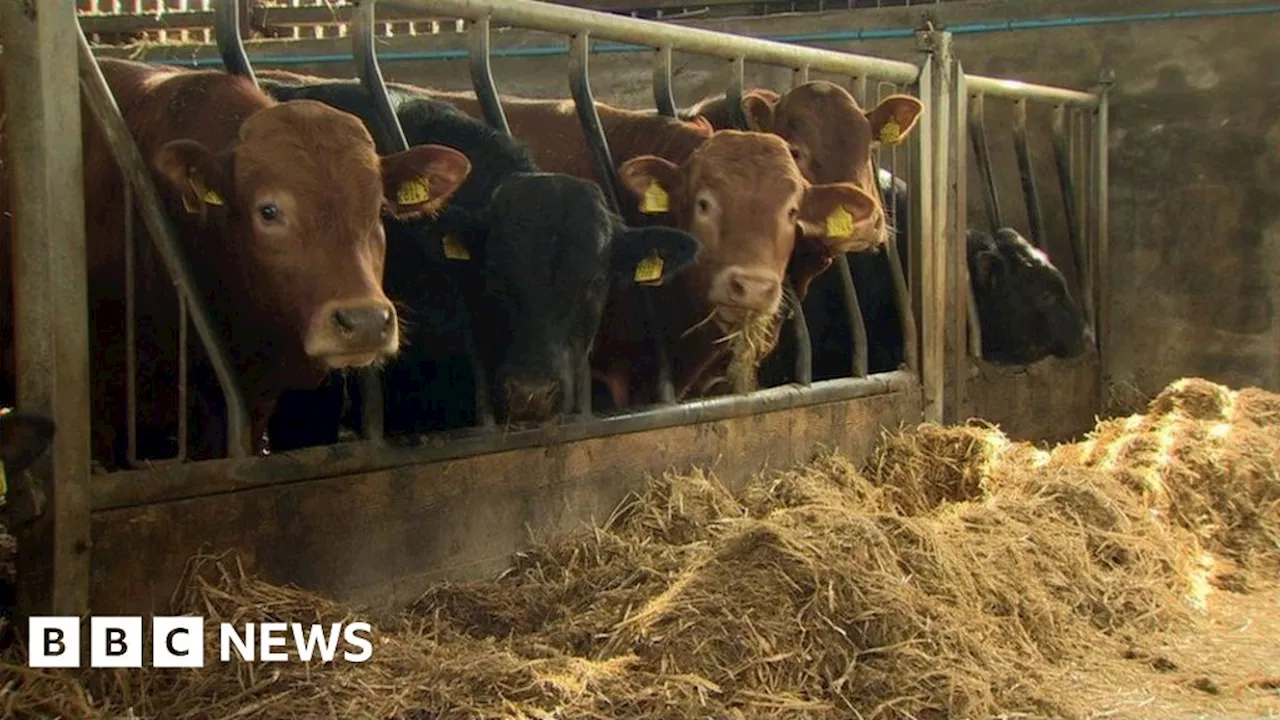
24	437
1024	307
519	260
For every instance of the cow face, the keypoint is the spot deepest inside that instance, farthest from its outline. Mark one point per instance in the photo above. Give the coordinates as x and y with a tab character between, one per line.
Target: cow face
742	195
300	196
1024	306
552	248
831	138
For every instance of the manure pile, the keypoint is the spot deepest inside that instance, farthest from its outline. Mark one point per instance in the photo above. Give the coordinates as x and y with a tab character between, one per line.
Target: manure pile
952	576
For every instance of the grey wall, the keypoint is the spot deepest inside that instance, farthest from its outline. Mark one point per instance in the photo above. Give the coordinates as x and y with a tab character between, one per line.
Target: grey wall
1195	151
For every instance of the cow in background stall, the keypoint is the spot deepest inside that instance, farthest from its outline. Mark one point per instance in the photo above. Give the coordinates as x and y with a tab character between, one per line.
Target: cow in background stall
740	193
278	207
533	253
24	438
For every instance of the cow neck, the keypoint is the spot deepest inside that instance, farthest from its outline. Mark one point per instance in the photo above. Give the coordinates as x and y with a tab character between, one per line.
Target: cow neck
632	133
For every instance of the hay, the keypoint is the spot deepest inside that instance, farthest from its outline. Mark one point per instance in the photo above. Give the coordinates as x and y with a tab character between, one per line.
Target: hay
951	577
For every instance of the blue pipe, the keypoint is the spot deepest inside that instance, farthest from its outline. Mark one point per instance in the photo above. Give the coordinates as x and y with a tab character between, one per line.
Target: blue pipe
840	36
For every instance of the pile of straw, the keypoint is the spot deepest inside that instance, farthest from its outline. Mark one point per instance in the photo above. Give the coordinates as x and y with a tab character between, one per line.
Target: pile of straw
953	576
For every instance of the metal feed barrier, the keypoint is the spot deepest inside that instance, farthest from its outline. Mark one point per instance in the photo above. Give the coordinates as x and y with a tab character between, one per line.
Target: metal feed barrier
930	285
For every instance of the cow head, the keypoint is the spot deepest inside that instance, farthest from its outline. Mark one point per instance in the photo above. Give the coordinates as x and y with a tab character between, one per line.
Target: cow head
742	195
551	249
300	195
831	138
1023	303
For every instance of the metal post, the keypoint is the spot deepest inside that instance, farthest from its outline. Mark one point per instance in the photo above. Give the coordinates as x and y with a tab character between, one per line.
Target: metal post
1022	148
978	133
1066	182
929	271
959	304
1102	278
45	159
482	77
663	98
733	96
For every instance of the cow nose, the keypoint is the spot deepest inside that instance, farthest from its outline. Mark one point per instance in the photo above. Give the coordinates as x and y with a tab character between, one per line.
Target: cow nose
364	325
754	290
530	400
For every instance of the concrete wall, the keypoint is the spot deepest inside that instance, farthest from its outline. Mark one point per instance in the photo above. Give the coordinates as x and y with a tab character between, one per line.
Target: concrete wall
1195	151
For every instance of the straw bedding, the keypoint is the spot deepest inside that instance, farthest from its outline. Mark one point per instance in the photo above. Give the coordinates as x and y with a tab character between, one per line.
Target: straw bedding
949	577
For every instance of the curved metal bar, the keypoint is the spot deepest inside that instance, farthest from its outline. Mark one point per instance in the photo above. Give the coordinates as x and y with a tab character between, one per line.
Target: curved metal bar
482	76
1022	147
1062	158
226	32
853	312
585	104
978	135
663	97
124	150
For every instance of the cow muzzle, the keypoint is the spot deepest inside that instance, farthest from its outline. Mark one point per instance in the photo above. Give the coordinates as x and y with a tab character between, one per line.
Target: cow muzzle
739	294
529	401
353	334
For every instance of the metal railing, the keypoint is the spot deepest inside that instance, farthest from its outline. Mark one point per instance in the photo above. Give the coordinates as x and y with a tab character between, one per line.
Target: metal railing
1079	142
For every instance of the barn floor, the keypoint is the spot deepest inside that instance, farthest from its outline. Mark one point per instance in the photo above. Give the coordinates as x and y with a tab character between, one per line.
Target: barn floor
1229	667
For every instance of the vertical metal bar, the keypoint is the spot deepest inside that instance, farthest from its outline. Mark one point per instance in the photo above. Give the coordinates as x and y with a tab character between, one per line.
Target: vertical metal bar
585	104
733	96
482	76
959	292
226	20
124	150
1022	147
44	157
853	313
663	97
1062	158
927	265
130	331
664	100
1103	277
978	133
800	75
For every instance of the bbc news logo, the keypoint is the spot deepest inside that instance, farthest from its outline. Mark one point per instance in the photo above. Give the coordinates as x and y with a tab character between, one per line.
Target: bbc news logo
179	642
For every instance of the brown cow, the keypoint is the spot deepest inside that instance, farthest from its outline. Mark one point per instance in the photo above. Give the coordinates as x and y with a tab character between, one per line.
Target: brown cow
279	209
740	193
830	137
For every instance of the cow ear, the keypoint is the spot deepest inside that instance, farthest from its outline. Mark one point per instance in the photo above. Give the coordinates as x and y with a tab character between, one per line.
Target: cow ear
990	267
652	180
894	118
757	108
420	180
836	216
653	255
193	174
24	437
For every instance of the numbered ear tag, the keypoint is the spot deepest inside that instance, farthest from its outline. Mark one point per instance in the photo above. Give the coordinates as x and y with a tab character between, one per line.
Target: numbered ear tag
649	269
890	133
414	192
212	197
453	249
839	223
655	199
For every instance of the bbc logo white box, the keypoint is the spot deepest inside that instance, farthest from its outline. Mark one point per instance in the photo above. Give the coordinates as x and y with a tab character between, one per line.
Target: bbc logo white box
115	642
53	641
177	642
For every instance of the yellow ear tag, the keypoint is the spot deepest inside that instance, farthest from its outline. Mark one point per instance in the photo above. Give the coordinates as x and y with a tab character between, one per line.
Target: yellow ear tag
839	223
649	269
414	192
453	249
890	132
655	201
4	485
211	197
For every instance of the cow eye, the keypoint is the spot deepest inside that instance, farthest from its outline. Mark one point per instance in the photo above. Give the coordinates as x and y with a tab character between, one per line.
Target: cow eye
795	152
269	212
703	205
793	215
